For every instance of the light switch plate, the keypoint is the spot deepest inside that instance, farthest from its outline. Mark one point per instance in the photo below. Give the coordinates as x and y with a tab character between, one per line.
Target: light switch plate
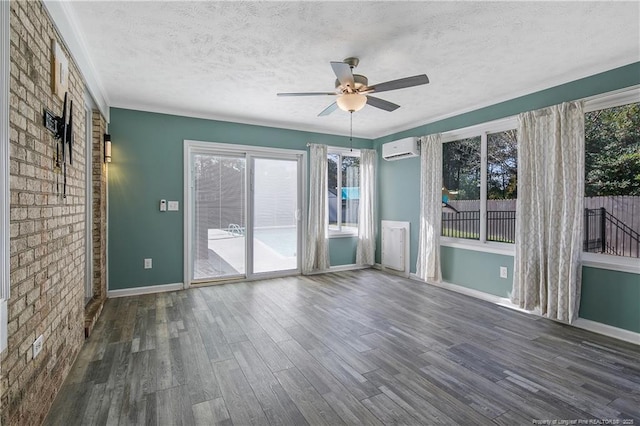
174	206
148	264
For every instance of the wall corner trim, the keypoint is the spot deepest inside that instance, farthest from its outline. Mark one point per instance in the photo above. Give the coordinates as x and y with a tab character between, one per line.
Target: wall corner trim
136	291
5	190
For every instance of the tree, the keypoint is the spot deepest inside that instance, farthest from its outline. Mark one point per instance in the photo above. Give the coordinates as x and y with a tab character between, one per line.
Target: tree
502	165
461	168
612	151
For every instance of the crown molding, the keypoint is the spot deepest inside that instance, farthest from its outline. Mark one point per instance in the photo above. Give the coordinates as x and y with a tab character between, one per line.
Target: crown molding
66	23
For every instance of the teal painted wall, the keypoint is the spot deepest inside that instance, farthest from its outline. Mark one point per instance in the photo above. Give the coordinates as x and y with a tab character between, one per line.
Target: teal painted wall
608	81
477	270
342	251
399	188
399	181
148	166
399	199
611	297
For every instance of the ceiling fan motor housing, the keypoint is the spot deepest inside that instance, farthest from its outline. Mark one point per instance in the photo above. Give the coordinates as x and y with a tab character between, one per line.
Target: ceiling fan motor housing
360	81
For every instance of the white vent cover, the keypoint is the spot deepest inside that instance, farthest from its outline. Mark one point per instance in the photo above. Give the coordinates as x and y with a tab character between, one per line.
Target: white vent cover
395	247
402	148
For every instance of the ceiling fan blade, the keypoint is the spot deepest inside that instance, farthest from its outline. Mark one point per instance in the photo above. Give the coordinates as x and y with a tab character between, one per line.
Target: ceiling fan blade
307	94
416	80
328	110
344	74
382	104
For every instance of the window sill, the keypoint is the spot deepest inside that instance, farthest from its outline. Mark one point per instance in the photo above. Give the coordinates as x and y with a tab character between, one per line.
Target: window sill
592	260
612	263
489	247
338	234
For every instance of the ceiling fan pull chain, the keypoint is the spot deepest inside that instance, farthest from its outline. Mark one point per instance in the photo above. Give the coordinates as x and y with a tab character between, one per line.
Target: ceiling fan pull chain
351	131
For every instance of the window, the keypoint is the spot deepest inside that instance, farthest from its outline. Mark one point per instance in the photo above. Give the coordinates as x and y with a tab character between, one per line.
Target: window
479	183
502	188
461	188
612	181
343	196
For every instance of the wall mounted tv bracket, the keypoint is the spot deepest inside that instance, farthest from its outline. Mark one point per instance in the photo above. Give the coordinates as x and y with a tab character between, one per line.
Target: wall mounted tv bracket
63	133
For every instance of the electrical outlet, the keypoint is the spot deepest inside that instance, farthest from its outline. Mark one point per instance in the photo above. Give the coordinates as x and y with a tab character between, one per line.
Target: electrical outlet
37	345
503	272
148	264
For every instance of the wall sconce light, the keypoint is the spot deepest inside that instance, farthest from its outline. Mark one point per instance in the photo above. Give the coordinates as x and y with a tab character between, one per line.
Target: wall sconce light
107	148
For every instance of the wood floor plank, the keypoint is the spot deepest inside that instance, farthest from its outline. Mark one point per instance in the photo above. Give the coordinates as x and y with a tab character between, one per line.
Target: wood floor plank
215	343
355	382
388	411
278	410
97	406
271	354
80	394
200	378
429	403
356	347
351	412
212	412
173	407
240	400
313	407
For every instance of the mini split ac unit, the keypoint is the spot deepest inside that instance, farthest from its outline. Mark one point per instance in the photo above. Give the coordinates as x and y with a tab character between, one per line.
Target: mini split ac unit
402	148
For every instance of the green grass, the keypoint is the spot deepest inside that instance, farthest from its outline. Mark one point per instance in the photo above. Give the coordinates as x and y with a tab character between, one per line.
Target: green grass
454	233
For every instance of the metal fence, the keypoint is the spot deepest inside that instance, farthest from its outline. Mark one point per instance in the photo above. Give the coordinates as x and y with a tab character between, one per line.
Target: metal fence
464	224
603	231
501	225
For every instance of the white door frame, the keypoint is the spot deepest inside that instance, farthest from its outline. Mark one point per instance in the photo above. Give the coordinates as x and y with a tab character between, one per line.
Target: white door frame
249	152
251	214
4	171
89	106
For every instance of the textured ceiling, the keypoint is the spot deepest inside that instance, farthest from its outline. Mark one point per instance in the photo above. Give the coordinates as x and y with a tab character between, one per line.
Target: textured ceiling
227	60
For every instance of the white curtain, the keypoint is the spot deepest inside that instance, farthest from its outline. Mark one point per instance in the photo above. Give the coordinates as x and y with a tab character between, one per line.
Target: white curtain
549	211
428	265
366	249
316	253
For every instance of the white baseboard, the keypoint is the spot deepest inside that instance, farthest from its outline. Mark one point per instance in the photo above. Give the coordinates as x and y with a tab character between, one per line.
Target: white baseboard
391	271
585	324
339	268
350	267
502	301
608	330
136	291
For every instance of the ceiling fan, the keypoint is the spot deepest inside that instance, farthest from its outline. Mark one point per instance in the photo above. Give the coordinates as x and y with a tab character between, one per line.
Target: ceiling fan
352	90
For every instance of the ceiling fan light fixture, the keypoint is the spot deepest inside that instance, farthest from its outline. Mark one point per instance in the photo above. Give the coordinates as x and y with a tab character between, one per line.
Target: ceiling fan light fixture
351	102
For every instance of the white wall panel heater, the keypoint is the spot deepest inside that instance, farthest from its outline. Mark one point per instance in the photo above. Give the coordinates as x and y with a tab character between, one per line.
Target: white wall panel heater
395	246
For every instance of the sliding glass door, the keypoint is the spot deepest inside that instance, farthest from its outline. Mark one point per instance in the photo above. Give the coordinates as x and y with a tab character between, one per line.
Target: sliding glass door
243	214
276	213
219	216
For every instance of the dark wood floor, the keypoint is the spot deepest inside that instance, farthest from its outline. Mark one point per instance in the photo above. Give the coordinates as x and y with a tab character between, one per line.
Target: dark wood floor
347	348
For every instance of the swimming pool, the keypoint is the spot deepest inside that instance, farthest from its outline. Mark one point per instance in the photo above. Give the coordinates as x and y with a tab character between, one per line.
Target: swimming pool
281	240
